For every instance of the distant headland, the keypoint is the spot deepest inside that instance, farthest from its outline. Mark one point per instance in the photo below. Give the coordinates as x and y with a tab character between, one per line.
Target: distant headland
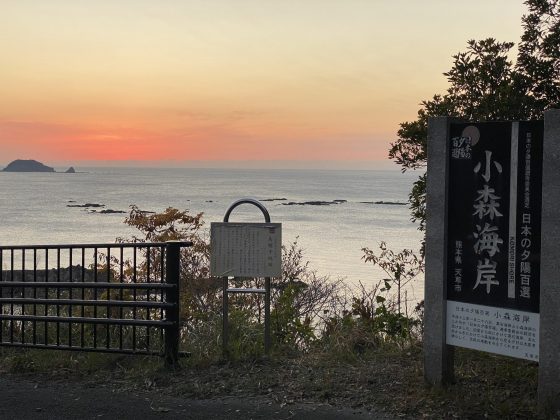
30	165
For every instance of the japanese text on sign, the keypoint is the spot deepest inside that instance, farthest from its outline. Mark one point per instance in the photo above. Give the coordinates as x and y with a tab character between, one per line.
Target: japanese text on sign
495	330
246	249
493	248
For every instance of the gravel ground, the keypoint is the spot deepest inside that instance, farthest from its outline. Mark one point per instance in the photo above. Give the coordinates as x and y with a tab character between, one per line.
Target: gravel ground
39	398
384	383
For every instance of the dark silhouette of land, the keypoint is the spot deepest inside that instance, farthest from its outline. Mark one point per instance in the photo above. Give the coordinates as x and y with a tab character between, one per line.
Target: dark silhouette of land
30	165
21	165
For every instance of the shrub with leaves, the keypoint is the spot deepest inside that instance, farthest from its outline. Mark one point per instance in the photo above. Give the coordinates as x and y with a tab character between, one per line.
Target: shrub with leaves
299	299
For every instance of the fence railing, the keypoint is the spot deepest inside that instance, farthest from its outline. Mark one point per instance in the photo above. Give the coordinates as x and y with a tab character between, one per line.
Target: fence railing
115	298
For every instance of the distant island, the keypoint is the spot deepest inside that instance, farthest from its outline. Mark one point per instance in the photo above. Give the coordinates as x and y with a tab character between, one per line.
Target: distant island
21	165
30	165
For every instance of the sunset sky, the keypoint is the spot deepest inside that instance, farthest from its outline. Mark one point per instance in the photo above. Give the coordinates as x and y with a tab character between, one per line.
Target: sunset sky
164	82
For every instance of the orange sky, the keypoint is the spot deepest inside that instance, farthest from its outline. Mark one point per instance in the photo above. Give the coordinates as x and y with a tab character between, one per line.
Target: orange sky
175	81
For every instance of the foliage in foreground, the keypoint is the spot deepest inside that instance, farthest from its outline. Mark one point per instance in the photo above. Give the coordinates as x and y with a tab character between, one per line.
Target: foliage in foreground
308	311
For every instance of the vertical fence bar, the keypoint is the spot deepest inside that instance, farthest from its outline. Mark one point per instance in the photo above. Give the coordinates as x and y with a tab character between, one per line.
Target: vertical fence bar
172	274
148	266
22	307
134	279
46	307
161	294
34	295
108	307
82	329
58	296
71	279
11	295
121	296
95	296
1	294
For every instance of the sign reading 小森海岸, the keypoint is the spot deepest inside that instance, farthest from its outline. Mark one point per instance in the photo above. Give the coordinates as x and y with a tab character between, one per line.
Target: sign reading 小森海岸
494	234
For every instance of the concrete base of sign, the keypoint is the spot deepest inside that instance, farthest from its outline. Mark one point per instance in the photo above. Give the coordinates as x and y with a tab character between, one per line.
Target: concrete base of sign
438	356
549	359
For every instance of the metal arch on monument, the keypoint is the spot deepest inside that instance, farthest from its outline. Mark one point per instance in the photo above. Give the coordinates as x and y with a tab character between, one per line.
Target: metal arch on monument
248	250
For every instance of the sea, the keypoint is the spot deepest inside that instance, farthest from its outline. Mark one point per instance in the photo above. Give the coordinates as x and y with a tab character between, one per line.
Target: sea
34	208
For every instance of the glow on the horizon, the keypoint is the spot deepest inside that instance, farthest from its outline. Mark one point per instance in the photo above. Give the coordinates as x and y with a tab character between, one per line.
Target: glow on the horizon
221	80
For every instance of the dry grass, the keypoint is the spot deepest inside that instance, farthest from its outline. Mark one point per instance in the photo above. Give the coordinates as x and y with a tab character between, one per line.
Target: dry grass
386	378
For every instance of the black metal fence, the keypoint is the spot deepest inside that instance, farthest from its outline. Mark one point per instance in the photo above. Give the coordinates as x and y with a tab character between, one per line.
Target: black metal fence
116	298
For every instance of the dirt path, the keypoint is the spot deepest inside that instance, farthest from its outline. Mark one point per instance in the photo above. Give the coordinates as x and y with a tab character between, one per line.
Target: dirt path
34	398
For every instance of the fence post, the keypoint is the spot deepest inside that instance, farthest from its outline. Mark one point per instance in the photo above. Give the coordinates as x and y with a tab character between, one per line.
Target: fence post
172	274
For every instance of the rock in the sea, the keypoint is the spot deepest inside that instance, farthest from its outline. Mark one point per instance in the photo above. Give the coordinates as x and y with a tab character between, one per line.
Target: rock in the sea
109	211
388	203
391	203
70	170
87	205
313	203
21	165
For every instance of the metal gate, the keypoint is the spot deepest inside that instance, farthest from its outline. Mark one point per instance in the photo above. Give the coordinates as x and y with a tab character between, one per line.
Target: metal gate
113	298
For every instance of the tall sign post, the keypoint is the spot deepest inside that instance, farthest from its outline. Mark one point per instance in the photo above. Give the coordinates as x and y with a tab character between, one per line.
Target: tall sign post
438	356
491	283
549	360
243	250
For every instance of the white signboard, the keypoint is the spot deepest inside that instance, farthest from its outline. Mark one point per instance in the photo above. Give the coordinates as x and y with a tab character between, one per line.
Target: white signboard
246	249
495	330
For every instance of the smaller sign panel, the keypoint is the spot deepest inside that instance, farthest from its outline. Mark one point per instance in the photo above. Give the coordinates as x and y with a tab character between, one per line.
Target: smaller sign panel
495	330
246	249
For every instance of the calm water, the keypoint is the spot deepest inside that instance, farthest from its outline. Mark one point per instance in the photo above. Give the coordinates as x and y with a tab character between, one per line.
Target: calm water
33	207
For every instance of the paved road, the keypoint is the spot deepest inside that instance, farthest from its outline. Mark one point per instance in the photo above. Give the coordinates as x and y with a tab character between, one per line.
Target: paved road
32	399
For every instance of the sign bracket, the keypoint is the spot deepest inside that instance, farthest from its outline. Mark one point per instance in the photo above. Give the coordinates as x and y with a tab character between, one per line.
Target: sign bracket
229	290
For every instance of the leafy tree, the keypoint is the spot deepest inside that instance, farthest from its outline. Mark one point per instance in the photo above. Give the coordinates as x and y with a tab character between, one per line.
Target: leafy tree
486	85
538	60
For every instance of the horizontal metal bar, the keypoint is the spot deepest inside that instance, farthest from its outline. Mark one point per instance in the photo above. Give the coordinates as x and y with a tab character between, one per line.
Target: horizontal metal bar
80	302
76	348
86	320
110	245
76	246
242	290
84	285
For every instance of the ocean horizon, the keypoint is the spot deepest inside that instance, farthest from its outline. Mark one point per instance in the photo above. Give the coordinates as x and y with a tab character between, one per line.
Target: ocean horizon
38	208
